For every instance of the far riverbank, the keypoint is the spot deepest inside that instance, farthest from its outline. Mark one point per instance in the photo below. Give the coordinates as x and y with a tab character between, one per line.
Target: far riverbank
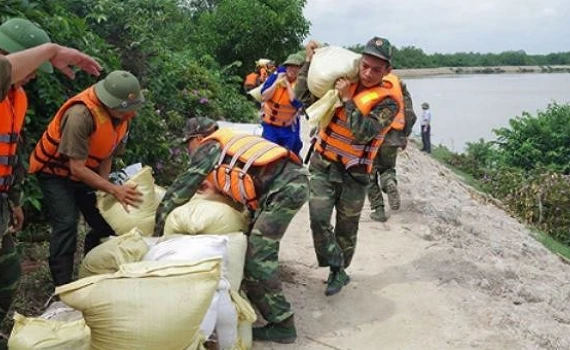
427	72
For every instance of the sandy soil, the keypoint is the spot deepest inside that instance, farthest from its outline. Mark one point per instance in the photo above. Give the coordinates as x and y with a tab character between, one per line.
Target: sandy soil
447	271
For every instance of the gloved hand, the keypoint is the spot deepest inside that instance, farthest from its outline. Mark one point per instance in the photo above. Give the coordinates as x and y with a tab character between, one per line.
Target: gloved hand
281	69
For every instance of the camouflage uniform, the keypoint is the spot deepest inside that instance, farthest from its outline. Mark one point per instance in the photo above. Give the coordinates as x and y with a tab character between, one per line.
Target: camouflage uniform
285	190
333	187
384	171
27	35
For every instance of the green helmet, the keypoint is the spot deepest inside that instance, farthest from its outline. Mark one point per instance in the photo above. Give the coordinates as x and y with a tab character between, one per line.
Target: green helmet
199	126
121	91
18	34
294	60
425	105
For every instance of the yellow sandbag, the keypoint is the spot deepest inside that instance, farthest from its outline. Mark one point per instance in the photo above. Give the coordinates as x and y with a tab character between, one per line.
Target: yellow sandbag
205	214
329	64
40	334
141	217
256	93
146	305
246	318
160	192
321	112
109	256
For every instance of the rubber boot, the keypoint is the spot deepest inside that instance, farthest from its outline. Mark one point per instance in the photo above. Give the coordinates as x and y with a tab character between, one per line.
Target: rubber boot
379	215
282	332
337	280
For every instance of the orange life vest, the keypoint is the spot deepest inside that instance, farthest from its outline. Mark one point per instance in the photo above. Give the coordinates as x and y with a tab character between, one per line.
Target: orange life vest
278	110
399	122
241	153
12	114
337	143
251	80
102	142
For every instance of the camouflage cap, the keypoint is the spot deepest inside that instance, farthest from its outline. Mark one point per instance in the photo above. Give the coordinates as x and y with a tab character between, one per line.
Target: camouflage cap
294	60
18	34
199	126
379	47
121	91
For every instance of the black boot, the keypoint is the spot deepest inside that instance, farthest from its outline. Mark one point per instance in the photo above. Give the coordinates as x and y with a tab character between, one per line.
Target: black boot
337	280
282	332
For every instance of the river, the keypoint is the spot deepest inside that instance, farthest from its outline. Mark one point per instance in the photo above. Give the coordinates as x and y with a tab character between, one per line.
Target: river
466	108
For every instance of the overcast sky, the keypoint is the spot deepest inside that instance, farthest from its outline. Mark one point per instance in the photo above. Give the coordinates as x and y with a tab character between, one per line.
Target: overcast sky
446	26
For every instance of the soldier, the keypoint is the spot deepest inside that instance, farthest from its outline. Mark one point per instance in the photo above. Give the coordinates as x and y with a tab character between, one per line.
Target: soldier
23	48
384	173
73	158
280	111
345	150
267	179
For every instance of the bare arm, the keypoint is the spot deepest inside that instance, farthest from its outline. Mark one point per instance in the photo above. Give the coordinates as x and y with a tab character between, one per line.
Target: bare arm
127	195
26	62
105	167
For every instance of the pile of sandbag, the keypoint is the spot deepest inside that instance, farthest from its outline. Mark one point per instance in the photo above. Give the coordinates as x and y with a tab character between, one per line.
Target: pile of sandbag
328	64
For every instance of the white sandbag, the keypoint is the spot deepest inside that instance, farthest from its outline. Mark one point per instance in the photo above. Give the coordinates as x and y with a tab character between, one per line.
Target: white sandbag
142	217
226	321
110	255
190	249
329	64
256	93
209	321
31	333
146	305
205	214
321	112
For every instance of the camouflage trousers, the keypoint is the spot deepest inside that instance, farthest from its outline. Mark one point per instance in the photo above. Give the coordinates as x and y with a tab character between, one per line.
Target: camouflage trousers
384	171
332	187
10	268
279	204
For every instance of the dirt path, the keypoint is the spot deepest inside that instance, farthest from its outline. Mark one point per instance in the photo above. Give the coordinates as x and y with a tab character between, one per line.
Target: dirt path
447	271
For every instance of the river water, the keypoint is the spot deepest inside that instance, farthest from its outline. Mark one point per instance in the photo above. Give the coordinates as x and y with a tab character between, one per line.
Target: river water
466	108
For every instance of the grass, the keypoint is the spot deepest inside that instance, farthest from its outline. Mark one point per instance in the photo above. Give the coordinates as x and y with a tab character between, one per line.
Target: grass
552	244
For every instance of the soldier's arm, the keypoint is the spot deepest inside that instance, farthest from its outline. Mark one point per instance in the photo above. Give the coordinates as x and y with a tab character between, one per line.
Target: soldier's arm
302	87
365	128
409	114
202	162
5	77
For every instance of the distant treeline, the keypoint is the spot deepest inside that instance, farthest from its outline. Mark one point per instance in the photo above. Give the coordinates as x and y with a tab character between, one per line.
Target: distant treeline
413	57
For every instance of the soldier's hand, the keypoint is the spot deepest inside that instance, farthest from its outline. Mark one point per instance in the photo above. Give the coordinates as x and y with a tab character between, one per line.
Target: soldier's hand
343	87
65	57
18	218
310	50
128	195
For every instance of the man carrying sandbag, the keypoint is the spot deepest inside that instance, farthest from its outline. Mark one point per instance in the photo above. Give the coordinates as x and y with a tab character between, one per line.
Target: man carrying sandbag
345	150
73	158
24	47
280	110
272	183
383	177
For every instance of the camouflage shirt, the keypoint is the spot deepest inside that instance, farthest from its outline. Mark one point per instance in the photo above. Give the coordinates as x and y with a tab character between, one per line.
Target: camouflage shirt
364	128
202	161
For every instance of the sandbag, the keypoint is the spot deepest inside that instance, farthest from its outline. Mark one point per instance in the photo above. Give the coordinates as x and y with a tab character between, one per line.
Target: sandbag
328	64
321	112
236	249
35	333
205	214
147	305
190	249
246	317
110	255
142	217
160	192
256	93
